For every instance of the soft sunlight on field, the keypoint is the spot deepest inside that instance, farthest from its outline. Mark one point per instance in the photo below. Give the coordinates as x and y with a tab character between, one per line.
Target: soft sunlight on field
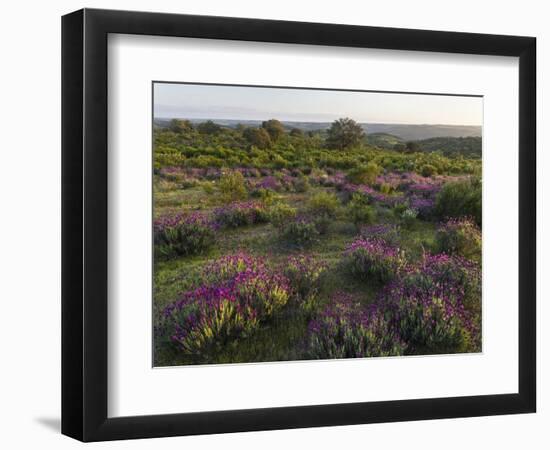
279	244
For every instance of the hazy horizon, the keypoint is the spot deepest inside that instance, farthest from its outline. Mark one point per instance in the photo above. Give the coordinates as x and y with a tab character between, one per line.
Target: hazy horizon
227	102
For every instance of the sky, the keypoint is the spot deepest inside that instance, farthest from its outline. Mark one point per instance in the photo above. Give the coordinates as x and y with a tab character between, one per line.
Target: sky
194	101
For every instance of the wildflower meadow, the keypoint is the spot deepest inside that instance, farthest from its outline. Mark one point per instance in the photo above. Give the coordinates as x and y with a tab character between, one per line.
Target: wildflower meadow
276	243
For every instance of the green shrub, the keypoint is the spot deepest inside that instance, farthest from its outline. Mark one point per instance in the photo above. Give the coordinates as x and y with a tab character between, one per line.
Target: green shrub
428	170
386	188
373	260
399	209
183	235
364	174
232	187
436	305
360	213
300	232
280	213
208	187
346	329
460	199
460	237
301	184
408	217
325	204
304	274
239	214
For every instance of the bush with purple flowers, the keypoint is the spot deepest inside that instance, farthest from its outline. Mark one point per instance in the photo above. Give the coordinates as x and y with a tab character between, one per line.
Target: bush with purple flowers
435	306
300	232
243	293
345	329
460	237
269	183
304	274
238	214
183	234
295	250
373	260
386	232
207	319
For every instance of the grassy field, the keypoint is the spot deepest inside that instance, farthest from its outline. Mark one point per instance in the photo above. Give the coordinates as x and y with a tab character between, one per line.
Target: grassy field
279	248
277	340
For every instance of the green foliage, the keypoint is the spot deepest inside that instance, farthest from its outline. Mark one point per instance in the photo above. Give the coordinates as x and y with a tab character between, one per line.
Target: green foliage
296	132
286	175
450	146
232	186
209	127
274	128
399	147
179	126
384	140
386	188
188	237
239	214
300	232
253	147
301	184
412	146
258	137
469	147
408	217
343	330
364	174
460	199
344	133
359	212
428	170
324	204
399	209
304	274
428	329
373	260
460	237
266	196
208	187
280	213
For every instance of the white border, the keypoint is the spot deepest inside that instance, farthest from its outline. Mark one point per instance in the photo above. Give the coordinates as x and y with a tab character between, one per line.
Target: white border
136	389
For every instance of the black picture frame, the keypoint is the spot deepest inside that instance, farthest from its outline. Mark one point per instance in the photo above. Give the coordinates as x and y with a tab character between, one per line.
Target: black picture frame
84	224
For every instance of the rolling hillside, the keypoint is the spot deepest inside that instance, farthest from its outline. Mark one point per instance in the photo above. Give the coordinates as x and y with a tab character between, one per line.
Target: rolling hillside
401	131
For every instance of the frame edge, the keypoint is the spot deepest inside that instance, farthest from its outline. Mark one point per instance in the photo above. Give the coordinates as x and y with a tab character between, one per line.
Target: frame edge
84	181
72	287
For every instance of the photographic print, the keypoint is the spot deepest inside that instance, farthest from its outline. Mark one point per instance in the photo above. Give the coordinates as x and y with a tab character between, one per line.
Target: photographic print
311	224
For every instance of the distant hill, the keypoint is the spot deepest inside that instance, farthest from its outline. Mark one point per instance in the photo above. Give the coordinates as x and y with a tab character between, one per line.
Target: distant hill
450	146
383	140
400	131
419	132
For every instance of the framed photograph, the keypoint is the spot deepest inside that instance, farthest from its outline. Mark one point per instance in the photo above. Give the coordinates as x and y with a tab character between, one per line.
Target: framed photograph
273	224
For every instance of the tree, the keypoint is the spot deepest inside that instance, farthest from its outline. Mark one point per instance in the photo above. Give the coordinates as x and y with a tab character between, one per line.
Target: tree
399	147
344	133
179	126
274	128
412	147
296	132
209	127
258	137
